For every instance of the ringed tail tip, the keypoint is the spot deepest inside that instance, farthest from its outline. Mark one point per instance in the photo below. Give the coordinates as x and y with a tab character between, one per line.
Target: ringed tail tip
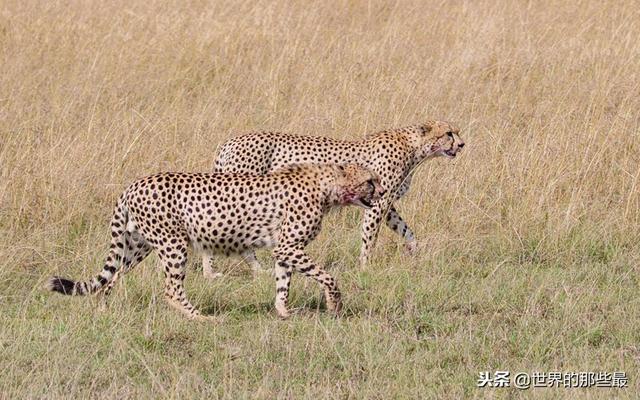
60	285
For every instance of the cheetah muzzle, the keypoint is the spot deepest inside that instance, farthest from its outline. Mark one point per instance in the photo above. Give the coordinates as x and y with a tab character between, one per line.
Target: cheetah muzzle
364	188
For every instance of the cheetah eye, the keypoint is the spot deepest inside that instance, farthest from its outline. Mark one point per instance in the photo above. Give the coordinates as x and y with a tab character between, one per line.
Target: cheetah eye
370	183
450	134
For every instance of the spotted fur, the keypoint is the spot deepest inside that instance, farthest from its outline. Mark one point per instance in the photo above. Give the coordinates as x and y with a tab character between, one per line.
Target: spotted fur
227	213
392	154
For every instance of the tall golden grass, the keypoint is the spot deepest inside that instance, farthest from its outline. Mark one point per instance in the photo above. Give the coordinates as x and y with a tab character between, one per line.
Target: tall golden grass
96	93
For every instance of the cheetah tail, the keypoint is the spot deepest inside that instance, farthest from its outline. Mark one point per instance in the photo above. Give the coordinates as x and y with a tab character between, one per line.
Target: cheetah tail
115	256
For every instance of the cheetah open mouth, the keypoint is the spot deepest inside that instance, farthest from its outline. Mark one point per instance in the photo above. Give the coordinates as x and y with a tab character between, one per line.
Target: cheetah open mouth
364	203
450	153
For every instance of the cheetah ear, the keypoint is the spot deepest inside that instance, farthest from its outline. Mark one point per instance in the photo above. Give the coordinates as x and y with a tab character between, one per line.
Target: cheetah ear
342	169
427	127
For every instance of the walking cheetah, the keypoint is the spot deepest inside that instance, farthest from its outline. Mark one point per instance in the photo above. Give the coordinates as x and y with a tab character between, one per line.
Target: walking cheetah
392	154
228	213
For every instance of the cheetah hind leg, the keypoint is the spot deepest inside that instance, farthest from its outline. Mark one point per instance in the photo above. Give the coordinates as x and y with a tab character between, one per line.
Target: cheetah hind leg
174	265
136	249
207	267
249	256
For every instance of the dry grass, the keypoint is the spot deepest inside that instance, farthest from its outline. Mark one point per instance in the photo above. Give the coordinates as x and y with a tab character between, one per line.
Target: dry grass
529	255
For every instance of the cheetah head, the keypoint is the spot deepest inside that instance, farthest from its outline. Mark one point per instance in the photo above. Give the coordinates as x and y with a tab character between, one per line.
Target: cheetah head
356	185
439	138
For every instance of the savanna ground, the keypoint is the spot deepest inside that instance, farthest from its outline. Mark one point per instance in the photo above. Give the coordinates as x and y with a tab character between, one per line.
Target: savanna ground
529	240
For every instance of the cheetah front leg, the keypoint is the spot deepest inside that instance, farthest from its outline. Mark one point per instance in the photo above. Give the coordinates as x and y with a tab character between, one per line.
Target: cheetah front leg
374	215
282	273
397	224
370	229
287	259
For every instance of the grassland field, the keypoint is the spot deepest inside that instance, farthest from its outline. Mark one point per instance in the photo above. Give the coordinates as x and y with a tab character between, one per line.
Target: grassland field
529	254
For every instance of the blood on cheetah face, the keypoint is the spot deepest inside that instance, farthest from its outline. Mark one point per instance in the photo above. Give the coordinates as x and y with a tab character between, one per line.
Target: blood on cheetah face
440	138
358	186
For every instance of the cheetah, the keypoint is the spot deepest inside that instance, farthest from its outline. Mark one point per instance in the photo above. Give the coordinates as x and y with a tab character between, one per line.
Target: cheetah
229	213
393	154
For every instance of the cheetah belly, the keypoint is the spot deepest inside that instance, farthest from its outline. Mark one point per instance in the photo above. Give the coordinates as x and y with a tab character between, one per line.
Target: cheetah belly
265	237
235	237
229	246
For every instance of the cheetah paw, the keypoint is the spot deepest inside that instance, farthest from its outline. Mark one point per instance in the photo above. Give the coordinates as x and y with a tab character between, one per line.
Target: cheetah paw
213	275
263	272
206	318
282	311
411	248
